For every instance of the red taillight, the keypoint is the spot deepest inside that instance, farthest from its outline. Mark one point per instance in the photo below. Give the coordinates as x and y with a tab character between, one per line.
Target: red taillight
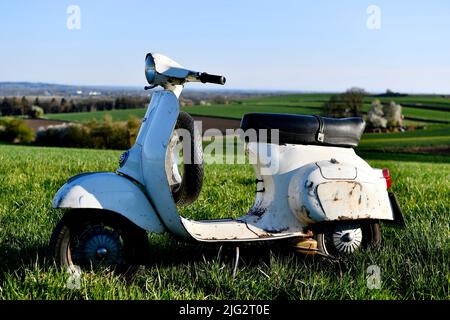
387	177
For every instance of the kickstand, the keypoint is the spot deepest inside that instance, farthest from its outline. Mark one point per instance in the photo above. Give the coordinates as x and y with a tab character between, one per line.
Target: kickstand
235	262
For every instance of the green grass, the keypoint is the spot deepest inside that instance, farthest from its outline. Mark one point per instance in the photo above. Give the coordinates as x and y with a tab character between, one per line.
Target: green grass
433	136
294	103
117	115
420	113
414	261
420	100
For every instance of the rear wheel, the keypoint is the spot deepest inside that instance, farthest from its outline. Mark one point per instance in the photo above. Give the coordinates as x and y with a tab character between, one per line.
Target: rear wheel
94	240
342	239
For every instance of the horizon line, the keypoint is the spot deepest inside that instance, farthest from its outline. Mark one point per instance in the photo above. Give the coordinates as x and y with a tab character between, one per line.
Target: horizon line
137	87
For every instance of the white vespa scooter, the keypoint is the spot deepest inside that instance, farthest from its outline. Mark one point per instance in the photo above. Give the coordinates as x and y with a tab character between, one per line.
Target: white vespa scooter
321	196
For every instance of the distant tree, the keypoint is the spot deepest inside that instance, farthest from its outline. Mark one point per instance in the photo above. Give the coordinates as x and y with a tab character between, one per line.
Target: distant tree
384	116
129	102
54	106
72	107
6	107
119	103
220	99
36	112
25	105
375	115
37	102
393	114
354	99
335	107
63	105
347	104
390	93
13	129
16	106
104	104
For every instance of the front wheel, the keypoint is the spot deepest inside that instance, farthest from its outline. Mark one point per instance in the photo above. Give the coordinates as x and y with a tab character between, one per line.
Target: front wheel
95	240
342	239
185	179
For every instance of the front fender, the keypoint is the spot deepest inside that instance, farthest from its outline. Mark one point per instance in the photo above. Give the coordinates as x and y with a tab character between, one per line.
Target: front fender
109	191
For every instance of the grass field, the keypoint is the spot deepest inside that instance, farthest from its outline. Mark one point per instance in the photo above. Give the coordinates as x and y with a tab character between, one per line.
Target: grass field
433	136
414	261
417	109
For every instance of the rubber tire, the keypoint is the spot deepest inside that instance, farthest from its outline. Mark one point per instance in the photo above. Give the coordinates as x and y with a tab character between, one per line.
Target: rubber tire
371	238
136	246
192	180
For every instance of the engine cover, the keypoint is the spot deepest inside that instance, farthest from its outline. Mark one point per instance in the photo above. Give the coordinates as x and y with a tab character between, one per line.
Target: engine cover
342	200
329	190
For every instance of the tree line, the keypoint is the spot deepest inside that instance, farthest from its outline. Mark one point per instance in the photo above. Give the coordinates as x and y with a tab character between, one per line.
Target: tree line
351	102
16	106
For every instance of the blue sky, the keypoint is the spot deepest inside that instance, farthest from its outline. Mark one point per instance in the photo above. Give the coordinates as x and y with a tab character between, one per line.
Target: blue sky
287	44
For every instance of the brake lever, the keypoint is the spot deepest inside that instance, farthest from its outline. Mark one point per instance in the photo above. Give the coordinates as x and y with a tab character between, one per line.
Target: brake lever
149	87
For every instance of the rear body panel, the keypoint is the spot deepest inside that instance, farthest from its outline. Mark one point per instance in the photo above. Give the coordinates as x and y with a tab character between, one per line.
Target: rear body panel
333	191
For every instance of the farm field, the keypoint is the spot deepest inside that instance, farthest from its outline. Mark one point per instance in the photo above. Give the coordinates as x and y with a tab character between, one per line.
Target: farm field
432	136
436	134
413	261
417	108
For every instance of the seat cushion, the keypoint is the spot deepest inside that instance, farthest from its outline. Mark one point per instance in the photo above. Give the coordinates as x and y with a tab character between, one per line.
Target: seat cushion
305	129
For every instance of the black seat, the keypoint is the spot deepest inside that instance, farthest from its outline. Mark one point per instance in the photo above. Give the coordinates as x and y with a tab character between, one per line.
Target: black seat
304	129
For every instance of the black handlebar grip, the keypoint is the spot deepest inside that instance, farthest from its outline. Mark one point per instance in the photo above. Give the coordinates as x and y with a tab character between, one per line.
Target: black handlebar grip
211	78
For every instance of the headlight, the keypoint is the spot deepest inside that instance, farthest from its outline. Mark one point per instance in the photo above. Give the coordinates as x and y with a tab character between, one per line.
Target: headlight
150	71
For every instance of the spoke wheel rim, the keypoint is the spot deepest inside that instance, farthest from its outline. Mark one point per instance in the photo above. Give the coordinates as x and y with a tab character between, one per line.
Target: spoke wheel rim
343	239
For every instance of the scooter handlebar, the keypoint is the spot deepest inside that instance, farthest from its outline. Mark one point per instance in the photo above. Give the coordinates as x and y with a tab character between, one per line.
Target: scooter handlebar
211	78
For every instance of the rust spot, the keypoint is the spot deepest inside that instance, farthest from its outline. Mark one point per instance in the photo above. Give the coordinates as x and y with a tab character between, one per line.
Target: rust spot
343	218
306	211
265	235
353	189
335	198
257	211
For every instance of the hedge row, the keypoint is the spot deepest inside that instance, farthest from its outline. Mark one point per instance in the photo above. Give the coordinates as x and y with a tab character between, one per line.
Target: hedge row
107	134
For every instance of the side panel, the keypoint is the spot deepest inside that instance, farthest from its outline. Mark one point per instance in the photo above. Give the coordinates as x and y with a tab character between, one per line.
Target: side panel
109	191
343	199
314	198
